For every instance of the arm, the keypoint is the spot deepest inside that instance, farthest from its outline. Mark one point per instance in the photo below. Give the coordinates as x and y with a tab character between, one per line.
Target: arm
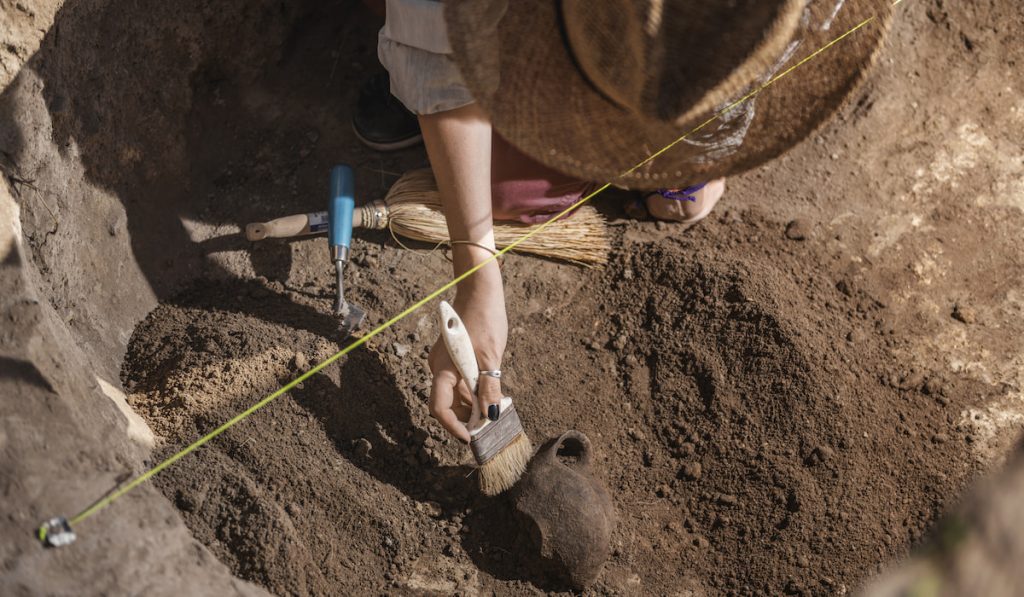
459	146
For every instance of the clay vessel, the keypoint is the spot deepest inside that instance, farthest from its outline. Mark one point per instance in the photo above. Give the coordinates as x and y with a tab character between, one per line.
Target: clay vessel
568	509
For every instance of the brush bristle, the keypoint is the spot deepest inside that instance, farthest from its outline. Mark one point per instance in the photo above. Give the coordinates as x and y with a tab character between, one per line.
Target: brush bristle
503	471
415	211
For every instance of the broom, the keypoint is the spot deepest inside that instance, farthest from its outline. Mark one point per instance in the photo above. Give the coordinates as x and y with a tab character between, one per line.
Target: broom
413	209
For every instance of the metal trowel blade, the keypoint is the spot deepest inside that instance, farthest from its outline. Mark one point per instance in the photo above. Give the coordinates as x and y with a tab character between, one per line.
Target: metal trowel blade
351	317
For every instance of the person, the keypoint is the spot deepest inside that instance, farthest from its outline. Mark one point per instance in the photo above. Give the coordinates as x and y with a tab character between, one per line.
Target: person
521	103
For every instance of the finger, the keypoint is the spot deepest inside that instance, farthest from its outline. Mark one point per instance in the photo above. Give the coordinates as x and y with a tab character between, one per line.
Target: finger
489	395
462	393
463	411
441	396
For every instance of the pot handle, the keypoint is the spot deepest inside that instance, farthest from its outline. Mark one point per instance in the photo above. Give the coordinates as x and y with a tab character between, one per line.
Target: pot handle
575	442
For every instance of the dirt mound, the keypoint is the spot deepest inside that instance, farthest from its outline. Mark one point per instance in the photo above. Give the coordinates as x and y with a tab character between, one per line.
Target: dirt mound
779	451
311	495
741	408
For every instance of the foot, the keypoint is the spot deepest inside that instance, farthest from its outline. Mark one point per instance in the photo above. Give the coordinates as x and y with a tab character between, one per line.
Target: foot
380	120
685	206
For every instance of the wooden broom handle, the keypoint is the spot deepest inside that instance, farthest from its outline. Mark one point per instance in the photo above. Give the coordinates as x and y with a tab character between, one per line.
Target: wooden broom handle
295	225
373	215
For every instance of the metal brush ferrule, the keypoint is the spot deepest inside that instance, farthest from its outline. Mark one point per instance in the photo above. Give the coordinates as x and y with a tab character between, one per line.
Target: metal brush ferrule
494	437
374	215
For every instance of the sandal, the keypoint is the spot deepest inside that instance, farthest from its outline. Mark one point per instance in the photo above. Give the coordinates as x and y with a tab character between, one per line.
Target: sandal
686	206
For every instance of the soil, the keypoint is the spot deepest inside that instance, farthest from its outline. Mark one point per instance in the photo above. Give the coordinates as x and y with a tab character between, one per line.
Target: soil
783	399
739	406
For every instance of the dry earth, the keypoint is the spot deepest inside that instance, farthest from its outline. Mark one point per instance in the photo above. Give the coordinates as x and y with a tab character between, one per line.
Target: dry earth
784	399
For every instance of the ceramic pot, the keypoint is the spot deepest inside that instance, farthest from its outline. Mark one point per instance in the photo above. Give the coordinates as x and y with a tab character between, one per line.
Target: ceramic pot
568	509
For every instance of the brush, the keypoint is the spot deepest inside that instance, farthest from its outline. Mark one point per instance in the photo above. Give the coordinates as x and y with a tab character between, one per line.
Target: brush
413	209
501	448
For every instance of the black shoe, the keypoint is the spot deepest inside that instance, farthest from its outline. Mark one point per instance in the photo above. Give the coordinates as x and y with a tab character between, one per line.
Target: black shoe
380	120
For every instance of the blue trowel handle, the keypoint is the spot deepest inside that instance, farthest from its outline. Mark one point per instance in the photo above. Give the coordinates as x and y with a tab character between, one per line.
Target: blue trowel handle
339	210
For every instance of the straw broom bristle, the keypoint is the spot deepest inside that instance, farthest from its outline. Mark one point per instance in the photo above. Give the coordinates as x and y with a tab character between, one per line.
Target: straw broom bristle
414	211
502	471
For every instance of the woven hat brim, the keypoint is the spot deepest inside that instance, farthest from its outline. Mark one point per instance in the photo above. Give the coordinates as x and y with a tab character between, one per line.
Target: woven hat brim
520	70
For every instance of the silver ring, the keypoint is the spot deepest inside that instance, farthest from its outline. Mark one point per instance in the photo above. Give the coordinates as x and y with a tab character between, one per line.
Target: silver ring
495	373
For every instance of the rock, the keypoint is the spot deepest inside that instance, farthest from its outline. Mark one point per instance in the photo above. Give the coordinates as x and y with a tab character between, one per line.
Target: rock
631	361
432	509
299	361
964	314
635	434
367	261
691	471
798	229
400	349
362	447
911	381
726	499
700	542
663	490
293	509
940	438
819	454
793	501
627	274
934	387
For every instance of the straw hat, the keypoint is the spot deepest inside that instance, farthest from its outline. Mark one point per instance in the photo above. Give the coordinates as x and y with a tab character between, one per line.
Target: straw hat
593	87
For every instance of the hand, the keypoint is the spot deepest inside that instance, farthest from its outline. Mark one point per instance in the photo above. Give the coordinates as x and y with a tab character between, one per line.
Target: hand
459	146
481	305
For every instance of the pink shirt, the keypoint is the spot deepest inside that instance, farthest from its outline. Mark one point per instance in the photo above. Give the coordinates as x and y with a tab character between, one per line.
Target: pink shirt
527	191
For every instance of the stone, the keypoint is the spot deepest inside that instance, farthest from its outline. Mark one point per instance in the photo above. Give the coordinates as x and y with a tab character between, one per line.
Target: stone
964	314
362	447
798	229
691	471
431	509
727	499
933	387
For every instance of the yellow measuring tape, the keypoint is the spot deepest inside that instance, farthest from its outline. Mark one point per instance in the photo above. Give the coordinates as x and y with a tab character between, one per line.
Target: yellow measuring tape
106	501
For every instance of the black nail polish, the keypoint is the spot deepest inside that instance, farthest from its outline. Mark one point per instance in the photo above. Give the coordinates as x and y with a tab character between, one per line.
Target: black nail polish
493	412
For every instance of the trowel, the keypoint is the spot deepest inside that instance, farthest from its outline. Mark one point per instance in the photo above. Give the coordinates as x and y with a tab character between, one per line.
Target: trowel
339	236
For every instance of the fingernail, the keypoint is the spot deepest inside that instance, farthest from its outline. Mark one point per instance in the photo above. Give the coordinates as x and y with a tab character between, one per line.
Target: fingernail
493	412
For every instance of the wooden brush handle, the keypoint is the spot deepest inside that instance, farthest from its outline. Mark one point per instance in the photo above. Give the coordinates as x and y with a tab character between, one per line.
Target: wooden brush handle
295	225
